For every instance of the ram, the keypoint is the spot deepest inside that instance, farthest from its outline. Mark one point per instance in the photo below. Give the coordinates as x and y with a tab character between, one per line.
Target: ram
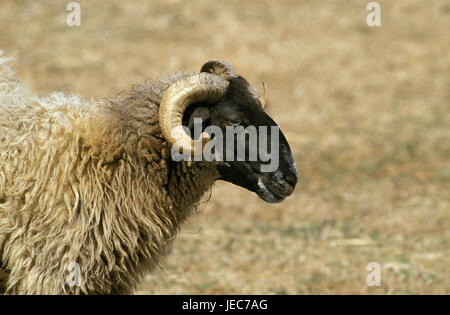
92	185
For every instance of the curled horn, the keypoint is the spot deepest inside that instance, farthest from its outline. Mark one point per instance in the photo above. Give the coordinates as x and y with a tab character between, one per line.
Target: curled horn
202	87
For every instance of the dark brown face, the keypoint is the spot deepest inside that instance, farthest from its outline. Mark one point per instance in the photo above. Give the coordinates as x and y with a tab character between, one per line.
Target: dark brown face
247	146
273	174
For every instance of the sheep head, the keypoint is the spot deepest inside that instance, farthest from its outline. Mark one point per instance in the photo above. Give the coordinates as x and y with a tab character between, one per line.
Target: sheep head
231	113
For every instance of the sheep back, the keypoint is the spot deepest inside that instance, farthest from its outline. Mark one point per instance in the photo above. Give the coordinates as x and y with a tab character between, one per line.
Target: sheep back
90	182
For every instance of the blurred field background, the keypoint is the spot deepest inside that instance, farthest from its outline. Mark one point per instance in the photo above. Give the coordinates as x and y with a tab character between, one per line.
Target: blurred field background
366	111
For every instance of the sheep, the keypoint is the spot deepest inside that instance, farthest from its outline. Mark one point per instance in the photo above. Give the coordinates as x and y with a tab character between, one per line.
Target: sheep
92	183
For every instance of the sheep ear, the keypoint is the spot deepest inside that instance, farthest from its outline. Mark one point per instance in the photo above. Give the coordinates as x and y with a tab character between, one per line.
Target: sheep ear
264	97
199	112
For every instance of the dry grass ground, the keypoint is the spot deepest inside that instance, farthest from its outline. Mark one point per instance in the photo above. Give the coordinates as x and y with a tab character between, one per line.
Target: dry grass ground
366	110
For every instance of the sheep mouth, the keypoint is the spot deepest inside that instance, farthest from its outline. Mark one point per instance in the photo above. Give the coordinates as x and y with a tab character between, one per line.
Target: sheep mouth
273	192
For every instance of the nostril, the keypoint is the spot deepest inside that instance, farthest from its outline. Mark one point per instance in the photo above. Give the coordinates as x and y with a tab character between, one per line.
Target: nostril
291	179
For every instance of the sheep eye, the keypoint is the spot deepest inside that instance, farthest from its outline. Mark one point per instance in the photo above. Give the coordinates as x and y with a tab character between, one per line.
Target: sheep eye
234	122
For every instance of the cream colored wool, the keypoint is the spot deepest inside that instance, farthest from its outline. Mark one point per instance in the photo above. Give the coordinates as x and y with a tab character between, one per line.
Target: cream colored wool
91	182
